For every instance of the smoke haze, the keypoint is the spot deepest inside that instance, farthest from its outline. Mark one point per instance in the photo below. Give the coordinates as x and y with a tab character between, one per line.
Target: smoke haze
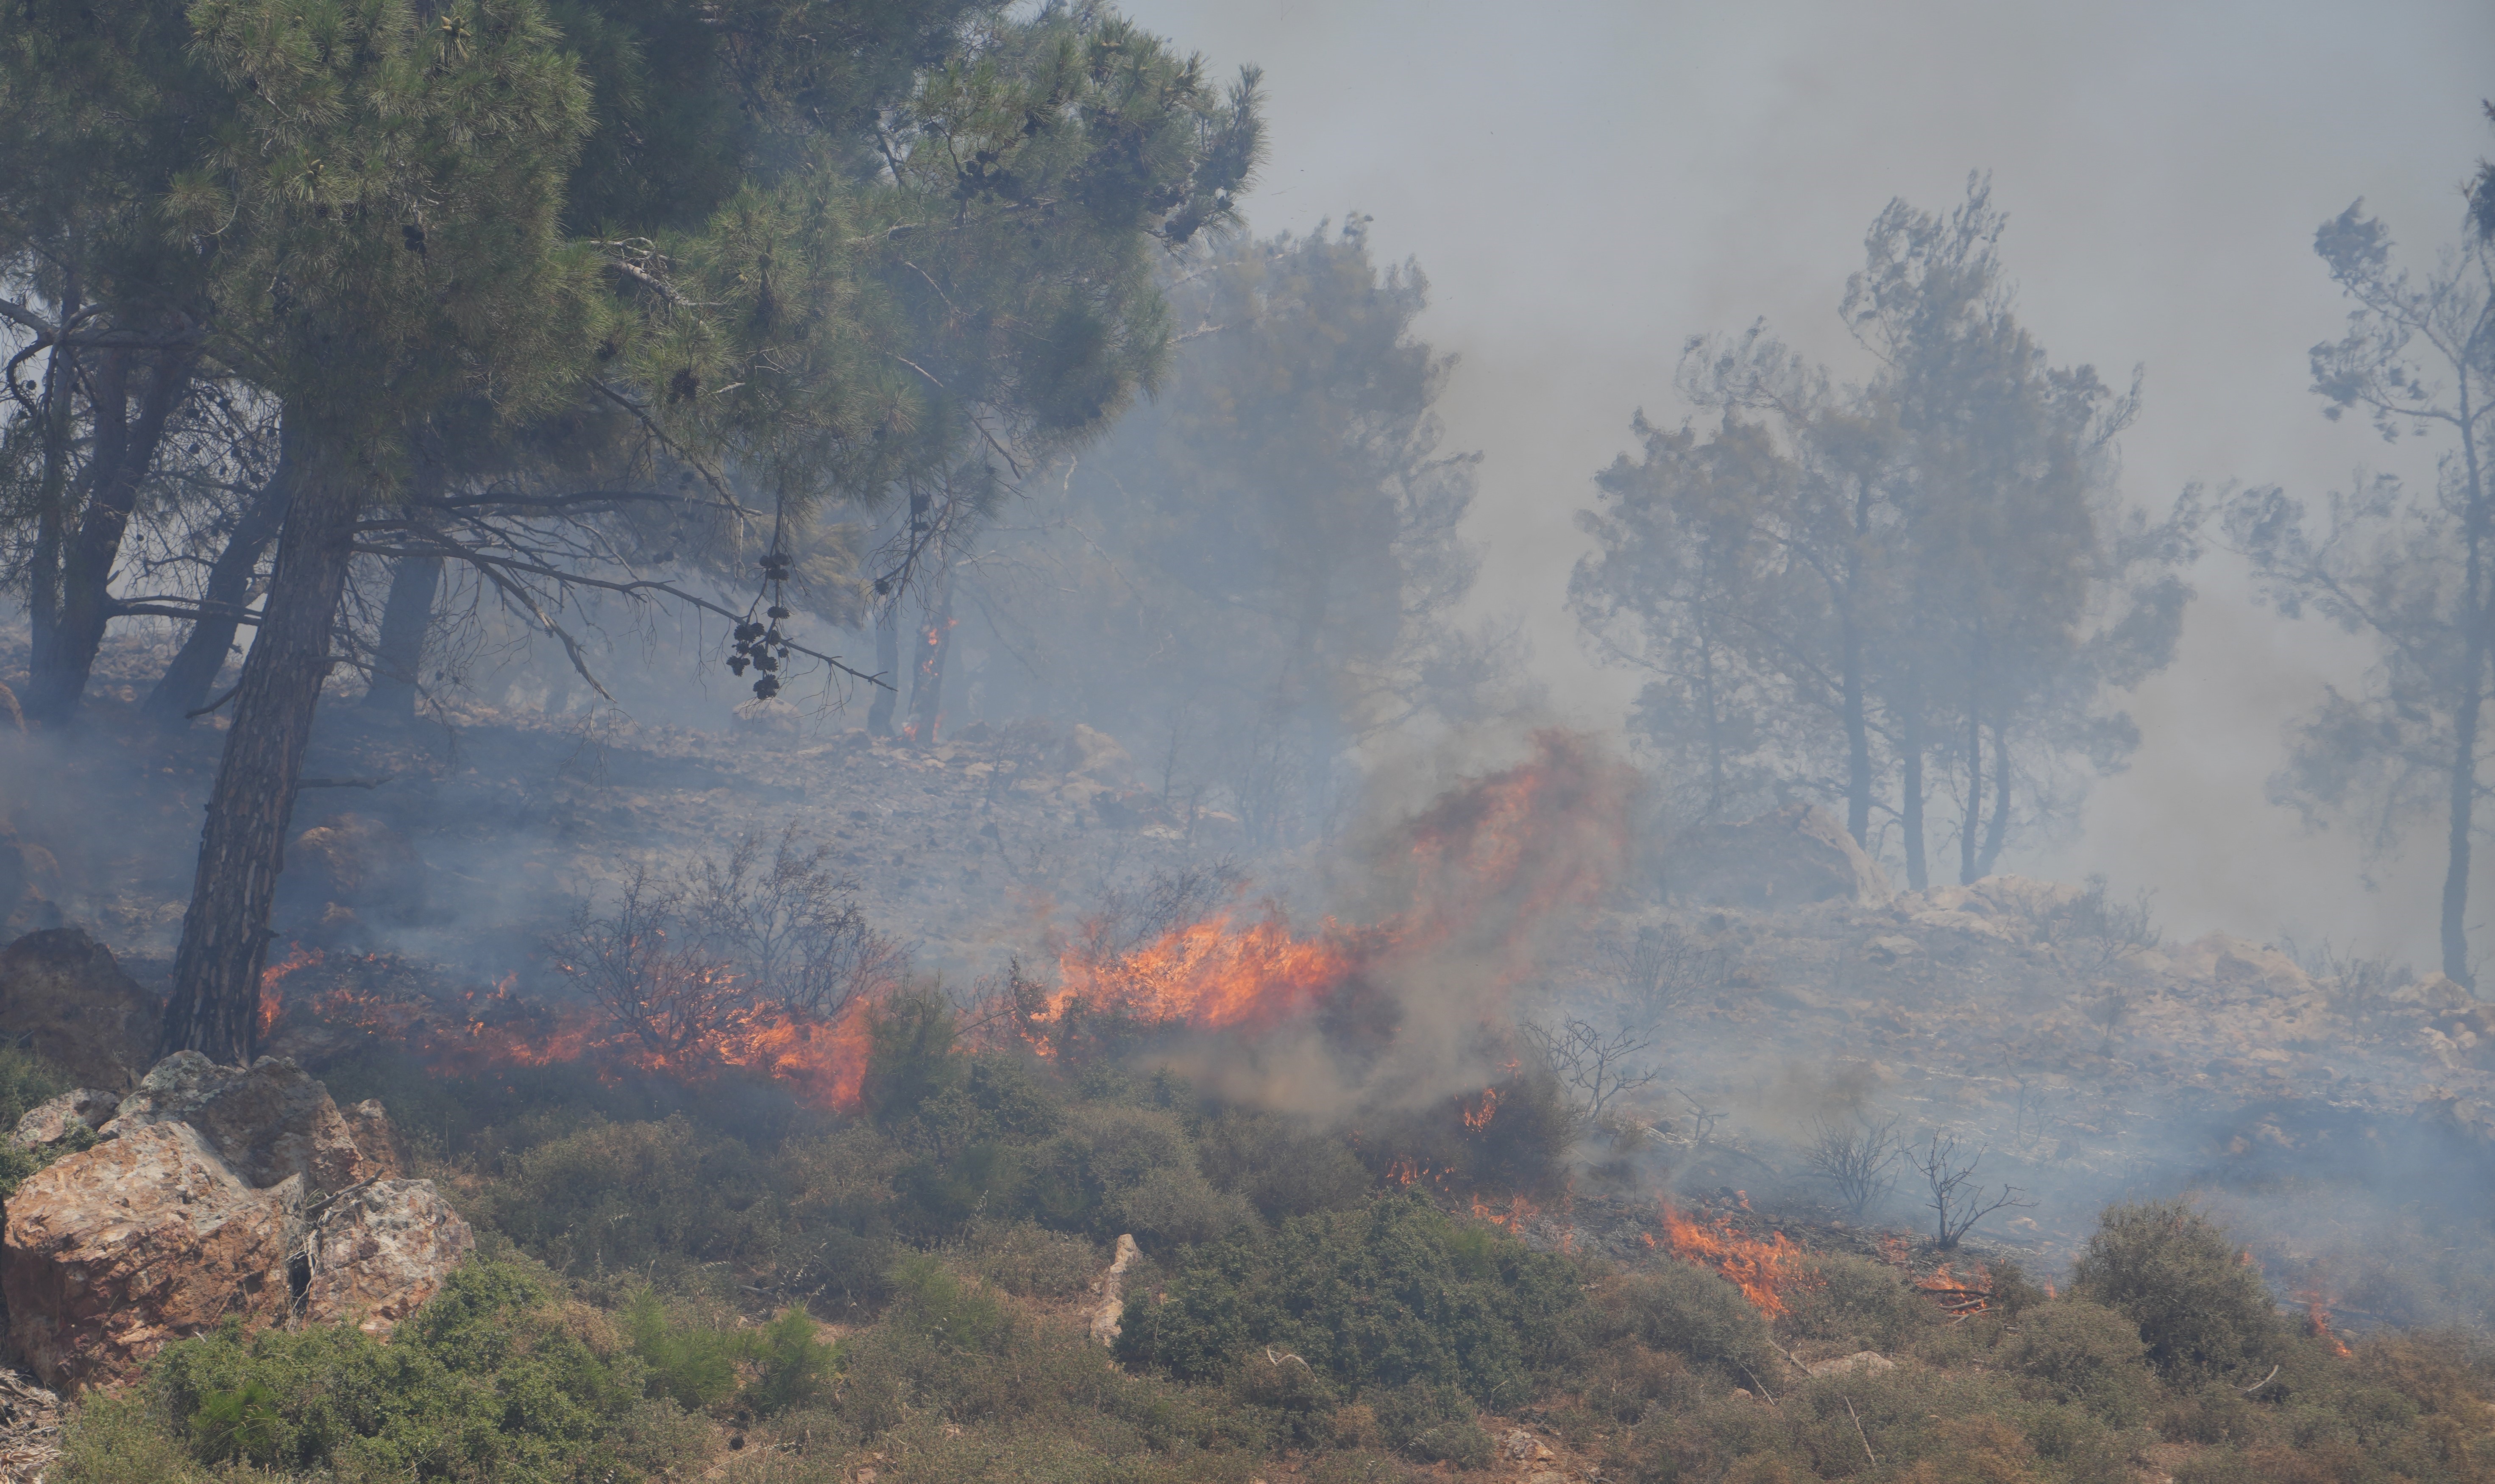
1587	185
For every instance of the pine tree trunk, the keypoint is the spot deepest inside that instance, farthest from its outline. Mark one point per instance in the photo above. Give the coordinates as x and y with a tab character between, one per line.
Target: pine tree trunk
1857	743
887	663
927	693
1968	819
124	452
407	618
215	1006
184	686
2464	798
1997	829
1911	805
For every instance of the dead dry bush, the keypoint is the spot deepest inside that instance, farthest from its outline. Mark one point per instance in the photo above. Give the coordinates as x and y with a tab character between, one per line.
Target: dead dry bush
678	957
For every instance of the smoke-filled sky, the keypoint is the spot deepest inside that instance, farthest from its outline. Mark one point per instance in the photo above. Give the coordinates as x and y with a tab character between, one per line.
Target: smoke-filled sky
1586	184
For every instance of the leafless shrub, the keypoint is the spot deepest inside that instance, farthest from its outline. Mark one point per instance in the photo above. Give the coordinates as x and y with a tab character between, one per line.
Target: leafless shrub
2097	931
680	956
1662	968
1858	1156
1957	1199
642	964
1594	1069
2107	1011
2347	977
791	927
1127	920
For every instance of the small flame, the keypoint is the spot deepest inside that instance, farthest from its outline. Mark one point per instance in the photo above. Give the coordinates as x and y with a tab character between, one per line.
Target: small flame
272	1001
1477	1118
1212	975
2317	1322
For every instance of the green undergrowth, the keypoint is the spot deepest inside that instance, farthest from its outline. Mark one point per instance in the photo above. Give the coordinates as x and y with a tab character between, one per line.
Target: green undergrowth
738	1288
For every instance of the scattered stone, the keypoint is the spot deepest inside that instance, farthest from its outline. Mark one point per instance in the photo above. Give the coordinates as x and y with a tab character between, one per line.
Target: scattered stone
1891	947
1793	856
30	1427
51	1120
1519	1446
379	1252
112	1253
270	1123
1872	1361
64	996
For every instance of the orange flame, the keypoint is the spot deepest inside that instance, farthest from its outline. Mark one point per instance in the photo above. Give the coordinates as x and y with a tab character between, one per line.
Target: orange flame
1478	1118
2317	1322
1766	1272
1212	976
823	1060
272	1001
1490	866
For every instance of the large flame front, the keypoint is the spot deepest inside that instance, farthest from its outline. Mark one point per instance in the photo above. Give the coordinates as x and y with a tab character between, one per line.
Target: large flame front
1213	975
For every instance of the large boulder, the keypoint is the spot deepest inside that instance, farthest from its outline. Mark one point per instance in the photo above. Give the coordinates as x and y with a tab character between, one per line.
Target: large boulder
271	1123
1789	857
63	995
214	1193
379	1251
112	1253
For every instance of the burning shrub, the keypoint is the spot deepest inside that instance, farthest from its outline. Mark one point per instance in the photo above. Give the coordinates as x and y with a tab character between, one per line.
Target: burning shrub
1687	1310
2087	1355
2201	1305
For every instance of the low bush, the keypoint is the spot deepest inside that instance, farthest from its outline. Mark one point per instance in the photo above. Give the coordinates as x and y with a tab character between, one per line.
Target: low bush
2200	1302
495	1378
1859	1304
1394	1294
1432	1424
2084	1354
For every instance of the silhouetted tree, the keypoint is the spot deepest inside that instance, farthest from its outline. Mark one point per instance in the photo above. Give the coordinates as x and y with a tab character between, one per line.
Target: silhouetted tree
2411	569
1851	587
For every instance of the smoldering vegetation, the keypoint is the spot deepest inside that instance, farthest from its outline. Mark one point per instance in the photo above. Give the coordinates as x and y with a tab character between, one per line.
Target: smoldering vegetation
917	823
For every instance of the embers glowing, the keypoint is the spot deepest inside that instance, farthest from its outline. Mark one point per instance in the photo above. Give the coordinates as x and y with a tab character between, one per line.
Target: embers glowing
1766	1272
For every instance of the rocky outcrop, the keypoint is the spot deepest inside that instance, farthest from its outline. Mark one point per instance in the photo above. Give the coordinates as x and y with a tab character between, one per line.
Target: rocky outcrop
115	1252
379	1252
1791	858
270	1123
55	1118
213	1193
63	996
1110	1311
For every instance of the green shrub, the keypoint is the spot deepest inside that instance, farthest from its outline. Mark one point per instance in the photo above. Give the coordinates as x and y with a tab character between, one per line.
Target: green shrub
1690	1311
1859	1303
2084	1354
1280	1168
1174	1206
1394	1294
792	1363
1026	1259
689	1362
492	1379
26	1081
1431	1423
2201	1309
